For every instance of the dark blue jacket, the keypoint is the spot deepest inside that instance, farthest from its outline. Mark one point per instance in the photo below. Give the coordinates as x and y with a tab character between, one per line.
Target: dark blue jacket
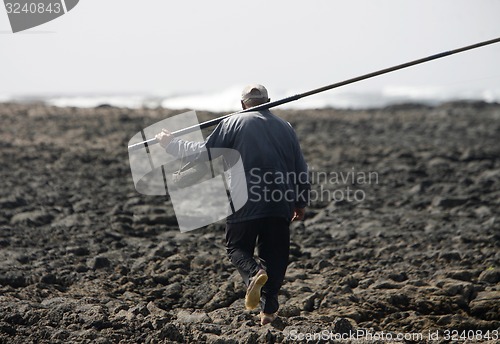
275	170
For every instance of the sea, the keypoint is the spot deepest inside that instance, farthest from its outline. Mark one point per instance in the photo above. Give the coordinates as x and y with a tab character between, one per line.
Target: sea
228	99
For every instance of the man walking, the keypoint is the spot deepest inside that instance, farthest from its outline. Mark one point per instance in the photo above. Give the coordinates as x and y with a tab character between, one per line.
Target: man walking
278	192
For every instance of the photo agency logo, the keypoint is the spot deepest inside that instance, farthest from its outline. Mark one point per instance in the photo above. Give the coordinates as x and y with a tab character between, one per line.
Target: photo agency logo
204	187
25	15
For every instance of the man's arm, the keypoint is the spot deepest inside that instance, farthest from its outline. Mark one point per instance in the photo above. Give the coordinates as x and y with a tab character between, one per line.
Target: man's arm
303	185
191	151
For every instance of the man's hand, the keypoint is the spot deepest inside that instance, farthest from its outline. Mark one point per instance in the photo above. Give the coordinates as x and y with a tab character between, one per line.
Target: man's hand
298	214
164	138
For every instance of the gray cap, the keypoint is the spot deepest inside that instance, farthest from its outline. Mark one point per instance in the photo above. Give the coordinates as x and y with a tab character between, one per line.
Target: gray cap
254	91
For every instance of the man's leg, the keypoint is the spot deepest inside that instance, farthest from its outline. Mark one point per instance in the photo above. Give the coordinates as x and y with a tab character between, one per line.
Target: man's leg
273	248
240	245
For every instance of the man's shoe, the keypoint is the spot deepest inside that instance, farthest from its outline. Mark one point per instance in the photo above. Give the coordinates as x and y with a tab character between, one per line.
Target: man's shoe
252	298
267	318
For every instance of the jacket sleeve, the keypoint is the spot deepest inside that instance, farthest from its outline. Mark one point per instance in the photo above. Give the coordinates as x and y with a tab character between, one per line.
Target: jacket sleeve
303	186
191	151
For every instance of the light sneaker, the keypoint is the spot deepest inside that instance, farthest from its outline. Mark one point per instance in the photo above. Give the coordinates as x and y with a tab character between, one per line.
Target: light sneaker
252	298
267	318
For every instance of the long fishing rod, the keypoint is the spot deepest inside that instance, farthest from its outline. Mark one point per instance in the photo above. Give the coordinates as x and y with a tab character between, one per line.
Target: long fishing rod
269	105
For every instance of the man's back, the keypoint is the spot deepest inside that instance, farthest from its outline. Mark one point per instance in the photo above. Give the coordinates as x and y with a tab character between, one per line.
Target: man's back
272	160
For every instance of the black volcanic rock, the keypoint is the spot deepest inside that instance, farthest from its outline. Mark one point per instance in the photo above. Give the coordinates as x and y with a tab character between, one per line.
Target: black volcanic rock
86	258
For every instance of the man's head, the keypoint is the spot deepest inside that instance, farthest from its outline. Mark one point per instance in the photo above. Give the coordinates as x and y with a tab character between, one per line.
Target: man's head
254	95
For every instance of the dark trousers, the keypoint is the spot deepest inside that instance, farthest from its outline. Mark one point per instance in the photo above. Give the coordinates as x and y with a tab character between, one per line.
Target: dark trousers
272	237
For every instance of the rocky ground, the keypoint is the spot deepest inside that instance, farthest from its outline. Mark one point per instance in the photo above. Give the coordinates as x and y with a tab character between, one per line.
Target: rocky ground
412	247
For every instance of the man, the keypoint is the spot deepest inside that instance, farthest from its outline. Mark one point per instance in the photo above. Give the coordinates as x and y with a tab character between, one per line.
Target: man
278	192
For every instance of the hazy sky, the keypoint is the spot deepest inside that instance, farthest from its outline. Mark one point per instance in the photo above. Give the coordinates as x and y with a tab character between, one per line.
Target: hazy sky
166	47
